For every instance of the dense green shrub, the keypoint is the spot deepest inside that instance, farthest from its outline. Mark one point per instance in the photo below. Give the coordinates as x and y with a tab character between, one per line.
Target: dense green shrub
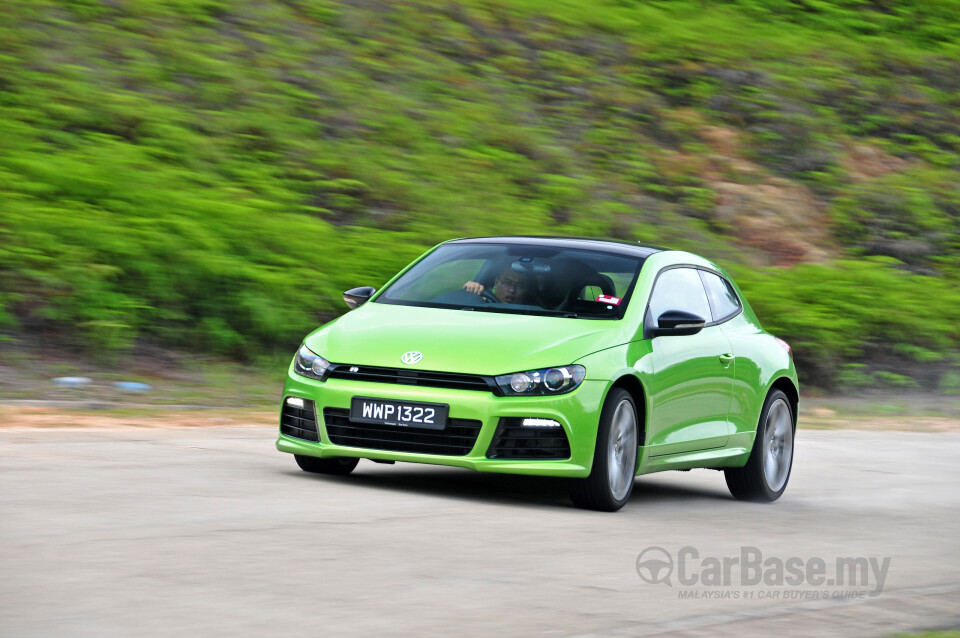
913	216
211	175
833	313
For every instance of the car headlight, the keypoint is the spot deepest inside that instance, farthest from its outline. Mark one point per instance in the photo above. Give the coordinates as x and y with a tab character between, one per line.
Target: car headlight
547	381
310	364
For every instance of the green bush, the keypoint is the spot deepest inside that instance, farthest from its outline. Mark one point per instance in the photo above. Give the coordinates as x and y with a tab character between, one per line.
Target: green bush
854	376
211	175
950	382
834	313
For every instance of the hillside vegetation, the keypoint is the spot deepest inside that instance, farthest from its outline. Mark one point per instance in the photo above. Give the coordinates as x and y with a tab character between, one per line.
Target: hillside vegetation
211	175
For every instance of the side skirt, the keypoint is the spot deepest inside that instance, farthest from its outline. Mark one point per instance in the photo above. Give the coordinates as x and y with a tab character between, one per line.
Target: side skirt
734	454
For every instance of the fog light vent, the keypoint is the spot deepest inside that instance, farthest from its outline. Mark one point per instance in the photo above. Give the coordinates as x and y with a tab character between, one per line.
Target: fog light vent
298	419
529	438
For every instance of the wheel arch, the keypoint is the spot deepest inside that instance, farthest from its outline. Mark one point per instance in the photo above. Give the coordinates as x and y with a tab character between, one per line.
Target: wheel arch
634	387
786	385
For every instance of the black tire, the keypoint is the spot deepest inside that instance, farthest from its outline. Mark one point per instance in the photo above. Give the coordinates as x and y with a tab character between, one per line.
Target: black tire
601	491
337	465
751	482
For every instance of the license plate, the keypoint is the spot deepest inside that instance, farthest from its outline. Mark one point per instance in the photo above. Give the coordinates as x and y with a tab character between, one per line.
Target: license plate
403	414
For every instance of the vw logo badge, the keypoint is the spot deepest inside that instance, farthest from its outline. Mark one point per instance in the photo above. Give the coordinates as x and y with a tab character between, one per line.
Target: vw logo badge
411	357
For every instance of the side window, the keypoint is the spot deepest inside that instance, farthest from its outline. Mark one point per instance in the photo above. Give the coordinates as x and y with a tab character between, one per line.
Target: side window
679	289
723	299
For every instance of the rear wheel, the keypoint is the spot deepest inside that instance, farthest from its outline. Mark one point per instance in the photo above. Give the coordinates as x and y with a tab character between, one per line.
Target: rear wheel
765	476
610	483
338	465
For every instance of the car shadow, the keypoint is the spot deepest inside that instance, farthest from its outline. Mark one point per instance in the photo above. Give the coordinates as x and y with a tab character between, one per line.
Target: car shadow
649	492
503	489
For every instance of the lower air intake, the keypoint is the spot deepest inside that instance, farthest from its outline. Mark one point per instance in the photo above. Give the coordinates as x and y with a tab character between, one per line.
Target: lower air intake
514	441
299	422
457	439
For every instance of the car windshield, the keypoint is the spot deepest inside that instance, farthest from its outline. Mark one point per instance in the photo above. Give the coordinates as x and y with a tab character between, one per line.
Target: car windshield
519	279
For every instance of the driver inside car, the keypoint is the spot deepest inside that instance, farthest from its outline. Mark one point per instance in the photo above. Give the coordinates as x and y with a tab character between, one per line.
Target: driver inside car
510	286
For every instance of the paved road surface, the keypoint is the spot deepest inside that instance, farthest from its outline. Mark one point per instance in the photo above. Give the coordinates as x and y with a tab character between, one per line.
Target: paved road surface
210	532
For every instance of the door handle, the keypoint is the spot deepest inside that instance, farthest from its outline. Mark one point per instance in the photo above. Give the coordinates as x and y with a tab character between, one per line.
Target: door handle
725	359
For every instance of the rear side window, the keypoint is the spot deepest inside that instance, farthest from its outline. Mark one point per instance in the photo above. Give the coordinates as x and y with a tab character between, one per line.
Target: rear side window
723	299
679	289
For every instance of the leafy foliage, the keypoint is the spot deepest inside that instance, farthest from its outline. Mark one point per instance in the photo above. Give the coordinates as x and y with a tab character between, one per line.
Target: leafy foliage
211	175
852	309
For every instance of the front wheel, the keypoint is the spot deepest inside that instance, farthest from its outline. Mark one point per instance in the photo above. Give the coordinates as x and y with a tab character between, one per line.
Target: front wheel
610	482
337	465
765	476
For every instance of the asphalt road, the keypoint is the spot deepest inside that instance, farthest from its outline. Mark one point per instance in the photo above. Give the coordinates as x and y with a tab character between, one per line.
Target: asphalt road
210	532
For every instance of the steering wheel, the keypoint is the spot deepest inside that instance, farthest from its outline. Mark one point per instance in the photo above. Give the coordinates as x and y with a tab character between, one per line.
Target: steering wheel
487	295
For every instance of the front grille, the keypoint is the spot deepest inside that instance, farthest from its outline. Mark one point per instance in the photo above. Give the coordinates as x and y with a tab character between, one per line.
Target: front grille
513	441
405	376
457	439
300	423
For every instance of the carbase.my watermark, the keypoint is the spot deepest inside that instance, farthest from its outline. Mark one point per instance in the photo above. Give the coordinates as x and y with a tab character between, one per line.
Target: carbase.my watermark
819	577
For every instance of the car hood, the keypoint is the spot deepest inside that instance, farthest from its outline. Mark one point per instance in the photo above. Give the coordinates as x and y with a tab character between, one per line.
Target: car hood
450	340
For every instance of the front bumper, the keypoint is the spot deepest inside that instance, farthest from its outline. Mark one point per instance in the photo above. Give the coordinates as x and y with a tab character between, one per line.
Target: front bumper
578	412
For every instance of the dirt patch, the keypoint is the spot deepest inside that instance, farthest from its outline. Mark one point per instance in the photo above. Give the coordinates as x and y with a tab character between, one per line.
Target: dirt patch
782	218
862	163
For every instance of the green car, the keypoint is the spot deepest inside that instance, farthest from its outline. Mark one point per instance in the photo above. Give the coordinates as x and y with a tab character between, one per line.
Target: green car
591	360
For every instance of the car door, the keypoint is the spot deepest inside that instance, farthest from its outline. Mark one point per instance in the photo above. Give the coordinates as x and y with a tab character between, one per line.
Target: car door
693	375
742	334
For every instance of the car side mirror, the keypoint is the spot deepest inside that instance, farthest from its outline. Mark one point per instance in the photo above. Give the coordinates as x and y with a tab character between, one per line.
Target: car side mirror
677	323
356	297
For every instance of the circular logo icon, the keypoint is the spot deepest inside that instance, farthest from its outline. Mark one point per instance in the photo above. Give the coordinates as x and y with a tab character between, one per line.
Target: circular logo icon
411	357
654	565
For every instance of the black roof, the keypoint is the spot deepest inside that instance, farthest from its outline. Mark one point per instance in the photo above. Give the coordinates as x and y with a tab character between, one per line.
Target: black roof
613	246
